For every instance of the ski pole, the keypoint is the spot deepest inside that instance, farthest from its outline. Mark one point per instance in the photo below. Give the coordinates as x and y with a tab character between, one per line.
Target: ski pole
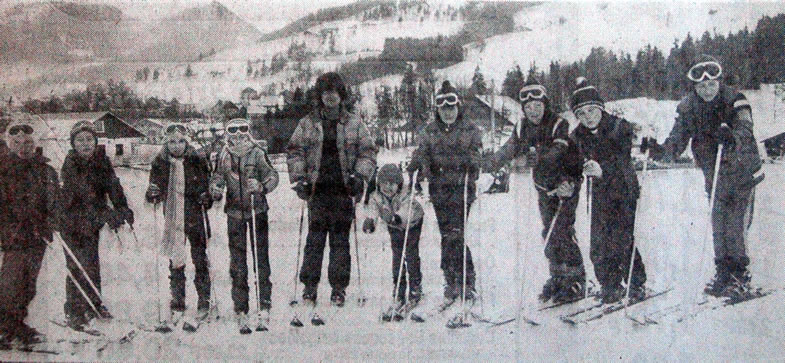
405	240
119	241
76	282
361	300
254	252
157	262
634	240
81	268
553	221
712	199
296	319
463	232
589	216
208	239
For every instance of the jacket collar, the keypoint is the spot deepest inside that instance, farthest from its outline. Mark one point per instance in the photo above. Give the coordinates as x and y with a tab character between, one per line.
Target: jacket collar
319	115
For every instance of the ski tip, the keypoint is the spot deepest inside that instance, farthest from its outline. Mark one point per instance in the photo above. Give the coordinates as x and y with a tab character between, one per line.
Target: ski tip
261	328
416	318
315	322
163	329
296	323
293	303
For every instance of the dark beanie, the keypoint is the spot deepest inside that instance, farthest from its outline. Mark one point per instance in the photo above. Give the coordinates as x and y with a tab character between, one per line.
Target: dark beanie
533	84
704	58
390	173
80	126
447	88
585	94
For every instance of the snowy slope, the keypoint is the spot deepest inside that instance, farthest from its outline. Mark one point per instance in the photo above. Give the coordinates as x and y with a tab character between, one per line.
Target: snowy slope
670	234
566	31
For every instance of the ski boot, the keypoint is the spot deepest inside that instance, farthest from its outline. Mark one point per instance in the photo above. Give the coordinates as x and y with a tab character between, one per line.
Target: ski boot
309	295
637	293
717	286
192	324
242	324
392	311
738	288
104	313
28	335
550	289
571	289
76	322
612	294
264	319
338	297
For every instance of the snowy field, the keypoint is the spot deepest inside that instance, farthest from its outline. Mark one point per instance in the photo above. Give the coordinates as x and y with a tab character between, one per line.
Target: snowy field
670	232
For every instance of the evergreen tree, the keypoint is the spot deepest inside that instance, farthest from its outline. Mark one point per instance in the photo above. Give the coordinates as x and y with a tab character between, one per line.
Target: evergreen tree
513	82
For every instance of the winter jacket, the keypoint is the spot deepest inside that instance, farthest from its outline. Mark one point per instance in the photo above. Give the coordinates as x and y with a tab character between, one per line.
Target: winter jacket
557	158
610	147
196	176
445	154
699	121
86	185
379	204
356	149
233	173
29	191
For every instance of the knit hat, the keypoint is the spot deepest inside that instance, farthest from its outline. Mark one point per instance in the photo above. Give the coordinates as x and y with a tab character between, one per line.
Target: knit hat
585	94
83	125
390	173
704	67
532	91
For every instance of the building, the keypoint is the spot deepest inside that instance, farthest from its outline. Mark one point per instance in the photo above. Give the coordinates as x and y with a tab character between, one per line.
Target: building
151	128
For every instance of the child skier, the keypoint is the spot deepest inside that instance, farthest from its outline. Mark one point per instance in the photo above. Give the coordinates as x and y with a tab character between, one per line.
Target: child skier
244	170
179	178
605	141
88	180
448	152
557	177
390	202
28	194
711	115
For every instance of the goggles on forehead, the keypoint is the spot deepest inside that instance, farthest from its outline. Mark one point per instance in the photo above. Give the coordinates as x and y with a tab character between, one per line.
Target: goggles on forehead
237	129
14	130
533	92
705	70
175	128
450	99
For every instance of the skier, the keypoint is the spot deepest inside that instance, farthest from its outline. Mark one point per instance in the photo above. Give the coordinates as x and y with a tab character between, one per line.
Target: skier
245	170
542	138
330	156
28	195
179	178
714	114
391	203
605	141
88	179
449	150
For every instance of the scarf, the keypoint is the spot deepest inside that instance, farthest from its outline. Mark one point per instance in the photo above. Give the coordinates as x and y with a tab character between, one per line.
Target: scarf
173	244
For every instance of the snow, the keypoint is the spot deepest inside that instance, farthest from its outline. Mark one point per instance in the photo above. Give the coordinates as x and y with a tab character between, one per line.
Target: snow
671	223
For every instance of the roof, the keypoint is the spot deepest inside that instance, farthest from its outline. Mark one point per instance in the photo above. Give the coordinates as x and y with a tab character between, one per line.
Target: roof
504	103
59	124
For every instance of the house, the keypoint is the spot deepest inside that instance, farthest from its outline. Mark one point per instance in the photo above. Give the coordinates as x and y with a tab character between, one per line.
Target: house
151	128
506	110
118	137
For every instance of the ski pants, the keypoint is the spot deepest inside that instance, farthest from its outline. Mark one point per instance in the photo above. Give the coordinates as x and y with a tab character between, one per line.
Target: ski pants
84	245
412	259
238	263
18	276
612	236
731	217
449	216
328	215
562	247
198	243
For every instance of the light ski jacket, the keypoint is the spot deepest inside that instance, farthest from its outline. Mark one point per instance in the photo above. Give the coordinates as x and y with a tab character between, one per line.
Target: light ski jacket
379	205
233	173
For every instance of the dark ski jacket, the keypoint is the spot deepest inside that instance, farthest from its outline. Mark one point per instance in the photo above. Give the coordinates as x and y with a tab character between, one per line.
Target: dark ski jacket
610	146
197	179
86	185
29	191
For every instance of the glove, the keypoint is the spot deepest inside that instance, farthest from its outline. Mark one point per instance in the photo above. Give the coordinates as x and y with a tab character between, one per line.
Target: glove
355	185
648	143
254	186
725	136
396	220
114	219
216	193
153	194
303	189
565	189
386	215
592	168
127	215
531	156
204	199
369	226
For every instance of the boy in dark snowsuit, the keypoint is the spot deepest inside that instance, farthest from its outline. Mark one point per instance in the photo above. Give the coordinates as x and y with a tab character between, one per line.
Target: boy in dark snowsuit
711	115
244	170
28	194
557	168
330	156
605	141
449	149
88	180
390	202
179	177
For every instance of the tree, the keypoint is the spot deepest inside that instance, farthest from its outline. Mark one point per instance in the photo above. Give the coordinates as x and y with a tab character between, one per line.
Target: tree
513	82
478	86
188	72
155	75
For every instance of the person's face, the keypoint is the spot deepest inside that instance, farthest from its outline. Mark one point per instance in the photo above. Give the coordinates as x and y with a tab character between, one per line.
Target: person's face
388	189
589	116
707	89
534	110
177	146
448	113
331	99
22	144
84	144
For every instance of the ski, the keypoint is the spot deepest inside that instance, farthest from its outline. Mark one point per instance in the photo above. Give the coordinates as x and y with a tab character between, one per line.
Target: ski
127	338
63	324
607	309
28	348
717	303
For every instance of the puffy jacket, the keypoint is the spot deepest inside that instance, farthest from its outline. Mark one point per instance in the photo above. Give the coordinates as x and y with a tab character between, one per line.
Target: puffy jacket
356	149
557	158
86	185
233	173
399	204
197	177
29	191
610	147
699	121
445	154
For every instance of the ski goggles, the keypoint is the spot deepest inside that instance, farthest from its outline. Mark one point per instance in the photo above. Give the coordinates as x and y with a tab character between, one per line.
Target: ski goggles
450	99
705	70
14	130
237	129
533	92
171	129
